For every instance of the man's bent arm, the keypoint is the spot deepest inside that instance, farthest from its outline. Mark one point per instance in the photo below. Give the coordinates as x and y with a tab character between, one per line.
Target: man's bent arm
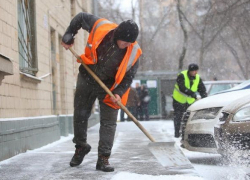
82	20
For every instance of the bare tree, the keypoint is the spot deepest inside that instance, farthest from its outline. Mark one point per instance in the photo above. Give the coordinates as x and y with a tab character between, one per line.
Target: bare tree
112	10
241	32
184	47
153	23
214	33
212	28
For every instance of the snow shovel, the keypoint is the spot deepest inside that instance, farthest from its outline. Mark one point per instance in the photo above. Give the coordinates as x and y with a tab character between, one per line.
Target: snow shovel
166	153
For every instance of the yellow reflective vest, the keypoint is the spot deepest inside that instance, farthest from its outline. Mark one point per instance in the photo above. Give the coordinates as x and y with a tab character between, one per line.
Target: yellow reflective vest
182	97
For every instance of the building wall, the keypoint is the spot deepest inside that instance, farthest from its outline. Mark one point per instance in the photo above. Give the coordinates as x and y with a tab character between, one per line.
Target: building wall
23	96
37	110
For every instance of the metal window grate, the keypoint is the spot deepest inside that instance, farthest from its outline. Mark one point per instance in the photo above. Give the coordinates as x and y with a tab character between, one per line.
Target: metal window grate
26	37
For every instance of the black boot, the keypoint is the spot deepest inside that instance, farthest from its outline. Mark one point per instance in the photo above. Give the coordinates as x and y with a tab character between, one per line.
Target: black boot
103	164
79	155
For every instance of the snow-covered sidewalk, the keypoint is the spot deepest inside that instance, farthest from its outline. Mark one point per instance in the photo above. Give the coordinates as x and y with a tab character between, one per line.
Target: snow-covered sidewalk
130	157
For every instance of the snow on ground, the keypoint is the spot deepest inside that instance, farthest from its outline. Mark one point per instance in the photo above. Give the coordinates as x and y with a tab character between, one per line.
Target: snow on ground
132	176
61	140
208	166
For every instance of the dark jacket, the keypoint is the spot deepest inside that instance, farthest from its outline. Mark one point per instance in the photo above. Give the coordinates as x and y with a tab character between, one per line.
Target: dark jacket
144	95
109	55
133	98
201	87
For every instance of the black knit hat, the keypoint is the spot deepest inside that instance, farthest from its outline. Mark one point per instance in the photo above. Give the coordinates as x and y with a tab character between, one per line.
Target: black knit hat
126	31
193	67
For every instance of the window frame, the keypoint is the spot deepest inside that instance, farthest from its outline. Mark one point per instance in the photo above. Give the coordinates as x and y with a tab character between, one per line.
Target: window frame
27	40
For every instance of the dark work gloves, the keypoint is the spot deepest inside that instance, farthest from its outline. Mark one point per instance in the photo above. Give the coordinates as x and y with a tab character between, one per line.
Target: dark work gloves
194	96
68	38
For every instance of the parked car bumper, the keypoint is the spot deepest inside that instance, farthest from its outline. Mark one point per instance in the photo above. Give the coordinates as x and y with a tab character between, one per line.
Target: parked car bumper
199	135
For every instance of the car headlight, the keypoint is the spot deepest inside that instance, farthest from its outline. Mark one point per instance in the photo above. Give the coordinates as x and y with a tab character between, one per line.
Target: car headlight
242	115
209	113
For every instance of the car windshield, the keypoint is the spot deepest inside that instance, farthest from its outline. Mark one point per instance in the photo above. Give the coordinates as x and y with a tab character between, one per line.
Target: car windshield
214	87
219	87
235	87
245	84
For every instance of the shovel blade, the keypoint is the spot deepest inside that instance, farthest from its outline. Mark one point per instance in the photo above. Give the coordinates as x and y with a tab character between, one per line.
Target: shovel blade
169	155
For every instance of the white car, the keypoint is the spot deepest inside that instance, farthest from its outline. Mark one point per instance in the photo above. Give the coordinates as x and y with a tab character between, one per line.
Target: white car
201	118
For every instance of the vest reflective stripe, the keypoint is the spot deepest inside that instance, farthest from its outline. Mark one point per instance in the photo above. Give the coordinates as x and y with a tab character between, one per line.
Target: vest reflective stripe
100	29
89	45
95	37
98	25
125	65
182	97
132	56
177	89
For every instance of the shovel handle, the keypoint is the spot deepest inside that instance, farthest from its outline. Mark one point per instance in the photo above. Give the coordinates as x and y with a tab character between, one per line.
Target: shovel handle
111	95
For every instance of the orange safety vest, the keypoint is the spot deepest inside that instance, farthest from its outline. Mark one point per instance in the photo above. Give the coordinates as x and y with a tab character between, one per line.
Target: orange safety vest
98	32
